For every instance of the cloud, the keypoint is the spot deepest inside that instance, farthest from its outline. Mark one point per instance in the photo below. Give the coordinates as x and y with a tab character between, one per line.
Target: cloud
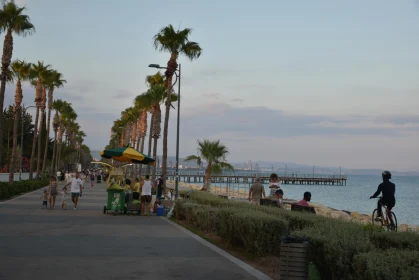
124	94
212	95
216	71
260	133
238	100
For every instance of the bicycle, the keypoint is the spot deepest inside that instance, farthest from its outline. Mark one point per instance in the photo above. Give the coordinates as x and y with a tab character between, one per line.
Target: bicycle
390	221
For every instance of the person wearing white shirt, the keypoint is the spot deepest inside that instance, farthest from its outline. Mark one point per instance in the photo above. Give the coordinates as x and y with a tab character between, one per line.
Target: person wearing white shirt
146	195
76	189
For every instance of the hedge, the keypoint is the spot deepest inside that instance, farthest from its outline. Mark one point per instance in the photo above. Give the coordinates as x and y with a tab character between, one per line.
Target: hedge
387	265
334	244
18	187
256	232
398	240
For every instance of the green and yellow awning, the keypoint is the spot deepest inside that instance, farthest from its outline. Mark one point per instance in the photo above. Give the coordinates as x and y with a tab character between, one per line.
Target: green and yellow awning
127	154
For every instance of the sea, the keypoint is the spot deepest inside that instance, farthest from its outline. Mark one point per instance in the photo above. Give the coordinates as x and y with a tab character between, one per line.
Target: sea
355	196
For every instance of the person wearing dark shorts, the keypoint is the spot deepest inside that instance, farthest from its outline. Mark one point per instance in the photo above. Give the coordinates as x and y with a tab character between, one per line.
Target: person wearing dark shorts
76	189
146	195
388	198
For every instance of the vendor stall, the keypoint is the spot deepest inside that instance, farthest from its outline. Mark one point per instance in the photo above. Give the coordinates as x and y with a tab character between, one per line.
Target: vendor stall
116	183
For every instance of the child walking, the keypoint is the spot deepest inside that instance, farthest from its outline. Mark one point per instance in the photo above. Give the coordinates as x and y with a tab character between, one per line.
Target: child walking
44	198
63	201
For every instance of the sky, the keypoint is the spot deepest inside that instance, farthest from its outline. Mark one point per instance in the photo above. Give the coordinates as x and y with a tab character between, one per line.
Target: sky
326	83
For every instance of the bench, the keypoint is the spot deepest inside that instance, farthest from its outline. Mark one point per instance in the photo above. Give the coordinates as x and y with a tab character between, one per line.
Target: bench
268	202
301	208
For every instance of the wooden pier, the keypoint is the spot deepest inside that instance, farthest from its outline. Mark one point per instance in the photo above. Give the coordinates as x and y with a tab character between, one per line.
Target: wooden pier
198	177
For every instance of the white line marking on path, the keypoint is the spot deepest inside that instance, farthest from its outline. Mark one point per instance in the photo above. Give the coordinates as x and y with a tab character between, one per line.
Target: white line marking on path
251	270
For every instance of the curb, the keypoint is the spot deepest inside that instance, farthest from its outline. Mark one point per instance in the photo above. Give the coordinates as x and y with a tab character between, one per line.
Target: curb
249	269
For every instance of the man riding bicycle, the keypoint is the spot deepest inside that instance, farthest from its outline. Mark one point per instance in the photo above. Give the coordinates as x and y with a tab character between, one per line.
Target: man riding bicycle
388	189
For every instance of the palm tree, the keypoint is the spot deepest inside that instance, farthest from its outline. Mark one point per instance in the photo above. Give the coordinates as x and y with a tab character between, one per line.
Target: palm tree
40	129
55	80
176	43
214	153
56	124
21	72
155	96
40	71
142	126
12	20
67	114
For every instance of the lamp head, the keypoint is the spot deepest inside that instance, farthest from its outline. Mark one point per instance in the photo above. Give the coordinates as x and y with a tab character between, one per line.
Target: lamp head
154	65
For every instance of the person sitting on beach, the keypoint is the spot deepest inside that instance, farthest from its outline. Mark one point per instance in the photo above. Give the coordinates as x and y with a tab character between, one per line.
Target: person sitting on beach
273	184
388	199
305	200
278	198
256	192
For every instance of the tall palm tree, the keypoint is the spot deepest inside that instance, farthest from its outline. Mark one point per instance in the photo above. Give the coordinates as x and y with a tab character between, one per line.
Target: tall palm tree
40	71
155	96
67	114
21	72
56	123
54	80
214	153
176	43
40	129
12	20
142	126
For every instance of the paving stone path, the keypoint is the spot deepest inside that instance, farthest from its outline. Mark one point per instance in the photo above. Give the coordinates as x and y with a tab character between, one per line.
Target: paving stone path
86	244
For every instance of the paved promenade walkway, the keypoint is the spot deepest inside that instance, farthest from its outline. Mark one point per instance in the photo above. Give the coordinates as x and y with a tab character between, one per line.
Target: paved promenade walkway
86	244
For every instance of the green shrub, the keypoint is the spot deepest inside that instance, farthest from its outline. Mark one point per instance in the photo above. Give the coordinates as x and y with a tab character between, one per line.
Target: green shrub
387	265
18	187
333	246
399	240
257	232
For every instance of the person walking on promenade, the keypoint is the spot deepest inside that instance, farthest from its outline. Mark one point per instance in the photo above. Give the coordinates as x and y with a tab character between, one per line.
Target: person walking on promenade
146	195
52	191
76	189
256	192
44	198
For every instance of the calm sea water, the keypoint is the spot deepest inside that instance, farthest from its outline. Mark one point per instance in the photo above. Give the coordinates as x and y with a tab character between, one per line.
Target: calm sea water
355	195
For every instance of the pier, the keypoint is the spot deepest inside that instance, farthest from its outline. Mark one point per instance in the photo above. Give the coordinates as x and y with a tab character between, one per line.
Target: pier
249	178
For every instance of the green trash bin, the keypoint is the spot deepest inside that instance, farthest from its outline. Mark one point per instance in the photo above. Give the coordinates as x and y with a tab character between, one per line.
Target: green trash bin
116	200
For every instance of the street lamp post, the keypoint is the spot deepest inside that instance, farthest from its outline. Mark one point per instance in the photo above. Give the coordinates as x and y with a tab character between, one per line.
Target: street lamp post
21	139
178	76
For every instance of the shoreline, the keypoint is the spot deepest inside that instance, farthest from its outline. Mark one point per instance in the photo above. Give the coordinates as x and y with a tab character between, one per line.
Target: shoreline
322	210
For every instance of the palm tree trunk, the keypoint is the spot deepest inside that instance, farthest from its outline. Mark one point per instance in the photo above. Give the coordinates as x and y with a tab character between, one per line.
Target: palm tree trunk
53	153
46	141
35	132
60	142
149	141
12	159
207	178
5	62
140	173
38	161
153	176
166	121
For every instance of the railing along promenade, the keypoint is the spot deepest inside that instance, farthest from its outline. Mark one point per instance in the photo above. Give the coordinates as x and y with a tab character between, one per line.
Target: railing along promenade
227	178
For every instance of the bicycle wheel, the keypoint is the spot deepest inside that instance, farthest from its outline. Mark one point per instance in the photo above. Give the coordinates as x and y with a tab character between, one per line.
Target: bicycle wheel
393	223
374	216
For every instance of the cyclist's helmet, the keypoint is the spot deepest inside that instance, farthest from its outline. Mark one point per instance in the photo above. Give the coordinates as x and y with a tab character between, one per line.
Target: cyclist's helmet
387	174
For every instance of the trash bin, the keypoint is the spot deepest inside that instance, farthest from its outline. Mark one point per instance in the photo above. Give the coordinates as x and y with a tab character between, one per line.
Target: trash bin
160	211
294	258
116	200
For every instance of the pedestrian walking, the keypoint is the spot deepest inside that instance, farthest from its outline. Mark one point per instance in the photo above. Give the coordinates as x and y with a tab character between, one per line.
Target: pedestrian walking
44	198
146	195
76	189
52	191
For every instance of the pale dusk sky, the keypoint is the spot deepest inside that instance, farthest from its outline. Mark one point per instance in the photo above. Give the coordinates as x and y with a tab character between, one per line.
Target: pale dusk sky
332	83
